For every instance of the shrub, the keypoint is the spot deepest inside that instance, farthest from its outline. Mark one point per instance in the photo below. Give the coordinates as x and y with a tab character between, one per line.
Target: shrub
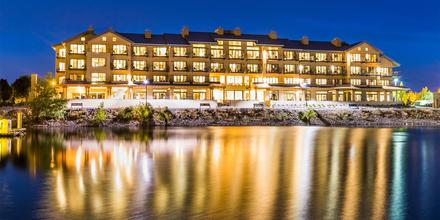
125	114
307	116
143	113
100	116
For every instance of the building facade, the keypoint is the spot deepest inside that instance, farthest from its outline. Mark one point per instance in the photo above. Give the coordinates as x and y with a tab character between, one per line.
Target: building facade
224	65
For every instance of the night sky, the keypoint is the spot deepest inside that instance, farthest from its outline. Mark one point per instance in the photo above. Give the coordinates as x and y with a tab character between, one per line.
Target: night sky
407	31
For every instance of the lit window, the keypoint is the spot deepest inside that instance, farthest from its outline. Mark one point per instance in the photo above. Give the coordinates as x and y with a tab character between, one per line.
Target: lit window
180	78
98	77
321	69
383	71
234	80
336	57
371	82
370	57
120	78
159	66
355	70
77	49
98	48
159	78
62	52
355	82
289	68
119	64
179	94
199	94
140	51
98	62
61	66
235	53
217	51
104	38
289	55
179	66
321	96
160	52
252	68
321	57
216	67
139	65
356	57
272	53
253	53
83	39
199	79
199	66
119	49
180	51
234	67
272	68
234	43
199	50
321	81
139	78
304	69
114	39
303	56
336	70
77	64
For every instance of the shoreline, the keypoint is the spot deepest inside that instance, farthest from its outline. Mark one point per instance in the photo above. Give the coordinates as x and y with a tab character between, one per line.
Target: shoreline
350	118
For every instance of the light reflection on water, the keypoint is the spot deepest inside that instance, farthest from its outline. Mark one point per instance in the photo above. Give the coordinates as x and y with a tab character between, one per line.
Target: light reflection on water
221	172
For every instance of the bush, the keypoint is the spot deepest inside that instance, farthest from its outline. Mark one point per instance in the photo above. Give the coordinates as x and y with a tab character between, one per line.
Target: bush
143	114
307	116
125	114
100	116
164	116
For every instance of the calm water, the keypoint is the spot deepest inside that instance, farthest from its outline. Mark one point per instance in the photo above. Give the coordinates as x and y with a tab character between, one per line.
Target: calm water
222	173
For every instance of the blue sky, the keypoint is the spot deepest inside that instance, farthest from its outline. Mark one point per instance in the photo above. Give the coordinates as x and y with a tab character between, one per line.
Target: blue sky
407	31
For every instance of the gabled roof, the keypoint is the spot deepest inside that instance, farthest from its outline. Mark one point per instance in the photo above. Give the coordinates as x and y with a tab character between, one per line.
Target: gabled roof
316	45
363	42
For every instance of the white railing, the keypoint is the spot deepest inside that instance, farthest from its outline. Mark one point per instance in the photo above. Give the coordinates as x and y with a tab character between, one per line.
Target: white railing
157	103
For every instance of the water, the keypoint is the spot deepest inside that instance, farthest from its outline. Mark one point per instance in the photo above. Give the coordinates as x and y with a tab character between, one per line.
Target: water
222	173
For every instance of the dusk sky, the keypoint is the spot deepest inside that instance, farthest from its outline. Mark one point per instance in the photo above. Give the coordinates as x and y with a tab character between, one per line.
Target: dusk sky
407	31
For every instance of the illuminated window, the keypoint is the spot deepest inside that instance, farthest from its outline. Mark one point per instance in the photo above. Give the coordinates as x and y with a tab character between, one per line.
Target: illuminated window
250	44
289	55
303	56
119	49
321	69
98	77
104	38
291	80
217	52
234	43
199	50
179	66
180	78
98	62
370	57
272	68
252	68
234	67
234	80
272	53
77	64
180	51
76	77
98	48
304	69
179	94
199	94
160	52
216	67
336	57
253	53
119	64
159	66
356	57
159	78
383	71
199	66
321	81
120	78
371	82
114	39
139	65
321	96
62	52
139	78
199	79
321	57
235	53
140	51
61	66
77	49
355	82
234	95
385	82
159	94
335	69
371	96
357	96
289	68
355	70
270	80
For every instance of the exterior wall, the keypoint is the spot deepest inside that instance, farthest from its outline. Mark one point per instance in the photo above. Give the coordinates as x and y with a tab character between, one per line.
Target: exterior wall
263	85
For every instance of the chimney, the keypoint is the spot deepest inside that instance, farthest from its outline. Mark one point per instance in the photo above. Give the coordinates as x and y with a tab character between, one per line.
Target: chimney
273	35
337	42
236	32
305	40
90	29
219	31
184	32
147	34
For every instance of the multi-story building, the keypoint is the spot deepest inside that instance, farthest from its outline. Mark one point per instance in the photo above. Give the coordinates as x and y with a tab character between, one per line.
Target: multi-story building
222	65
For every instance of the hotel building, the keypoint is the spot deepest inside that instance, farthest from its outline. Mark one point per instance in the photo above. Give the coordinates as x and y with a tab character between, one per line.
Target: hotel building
224	65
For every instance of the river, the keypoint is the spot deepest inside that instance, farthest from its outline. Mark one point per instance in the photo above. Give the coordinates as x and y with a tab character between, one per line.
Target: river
221	173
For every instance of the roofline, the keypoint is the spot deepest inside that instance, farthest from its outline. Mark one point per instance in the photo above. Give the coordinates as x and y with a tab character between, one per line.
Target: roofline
363	42
113	32
393	61
71	38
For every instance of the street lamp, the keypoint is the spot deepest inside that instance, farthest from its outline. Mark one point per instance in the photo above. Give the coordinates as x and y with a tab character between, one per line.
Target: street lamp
304	86
146	82
395	81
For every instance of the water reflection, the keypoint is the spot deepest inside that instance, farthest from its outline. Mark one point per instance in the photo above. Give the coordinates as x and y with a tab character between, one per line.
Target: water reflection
234	172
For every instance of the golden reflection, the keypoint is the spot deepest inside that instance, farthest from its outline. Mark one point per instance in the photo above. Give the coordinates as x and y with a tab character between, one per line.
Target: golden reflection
241	172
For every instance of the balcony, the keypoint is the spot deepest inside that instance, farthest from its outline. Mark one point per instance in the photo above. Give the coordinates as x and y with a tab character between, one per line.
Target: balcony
77	67
139	68
119	67
183	69
200	70
119	53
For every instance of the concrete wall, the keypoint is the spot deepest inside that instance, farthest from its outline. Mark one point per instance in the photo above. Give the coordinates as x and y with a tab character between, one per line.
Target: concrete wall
122	103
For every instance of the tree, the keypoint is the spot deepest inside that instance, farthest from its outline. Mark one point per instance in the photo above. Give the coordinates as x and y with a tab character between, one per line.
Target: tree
5	90
425	94
46	105
21	87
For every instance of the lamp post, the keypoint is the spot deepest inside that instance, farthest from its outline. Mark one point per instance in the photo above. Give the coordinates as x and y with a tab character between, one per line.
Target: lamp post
395	81
146	82
304	86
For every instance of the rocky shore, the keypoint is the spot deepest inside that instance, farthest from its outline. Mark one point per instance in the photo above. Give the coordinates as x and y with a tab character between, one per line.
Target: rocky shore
368	117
